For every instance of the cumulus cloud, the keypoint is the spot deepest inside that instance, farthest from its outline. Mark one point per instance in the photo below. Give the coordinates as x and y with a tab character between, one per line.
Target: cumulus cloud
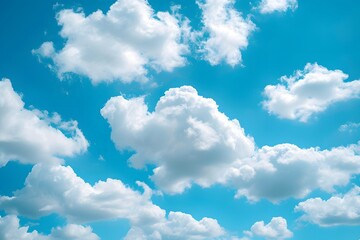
308	92
285	171
337	210
10	229
270	6
189	141
275	229
185	137
57	189
121	44
32	136
228	32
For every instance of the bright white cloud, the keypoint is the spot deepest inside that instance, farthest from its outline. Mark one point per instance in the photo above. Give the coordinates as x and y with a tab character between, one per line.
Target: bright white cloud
308	92
190	141
285	171
349	127
32	136
186	137
121	44
228	32
10	229
275	229
57	189
270	6
338	210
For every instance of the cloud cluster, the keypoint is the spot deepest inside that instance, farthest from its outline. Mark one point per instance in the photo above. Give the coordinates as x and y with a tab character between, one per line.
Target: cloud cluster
57	189
10	229
337	210
189	141
228	32
270	6
275	229
32	136
121	44
308	92
185	137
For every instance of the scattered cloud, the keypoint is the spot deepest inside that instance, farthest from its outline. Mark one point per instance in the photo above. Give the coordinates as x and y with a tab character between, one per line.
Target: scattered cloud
337	210
270	6
285	171
308	92
121	44
185	137
57	189
275	229
228	32
33	136
10	229
349	127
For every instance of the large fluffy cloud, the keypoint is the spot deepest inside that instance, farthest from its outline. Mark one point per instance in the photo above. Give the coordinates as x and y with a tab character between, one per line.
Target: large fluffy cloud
285	170
189	141
120	44
337	210
270	6
32	136
228	32
57	189
186	137
275	229
308	92
10	229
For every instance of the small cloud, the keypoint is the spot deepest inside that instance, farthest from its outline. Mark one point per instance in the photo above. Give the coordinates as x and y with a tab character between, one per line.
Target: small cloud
349	127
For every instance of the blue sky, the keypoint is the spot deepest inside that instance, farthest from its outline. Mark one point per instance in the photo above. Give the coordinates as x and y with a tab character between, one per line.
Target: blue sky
208	119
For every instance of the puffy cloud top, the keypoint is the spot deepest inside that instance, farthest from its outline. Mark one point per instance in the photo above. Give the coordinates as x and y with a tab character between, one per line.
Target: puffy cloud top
228	32
308	92
120	44
275	229
186	137
337	210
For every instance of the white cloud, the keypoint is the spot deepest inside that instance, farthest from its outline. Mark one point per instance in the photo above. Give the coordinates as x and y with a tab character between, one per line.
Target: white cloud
270	6
189	141
308	92
178	226
186	137
57	189
349	127
121	44
10	229
73	232
338	210
275	229
285	171
32	136
228	32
